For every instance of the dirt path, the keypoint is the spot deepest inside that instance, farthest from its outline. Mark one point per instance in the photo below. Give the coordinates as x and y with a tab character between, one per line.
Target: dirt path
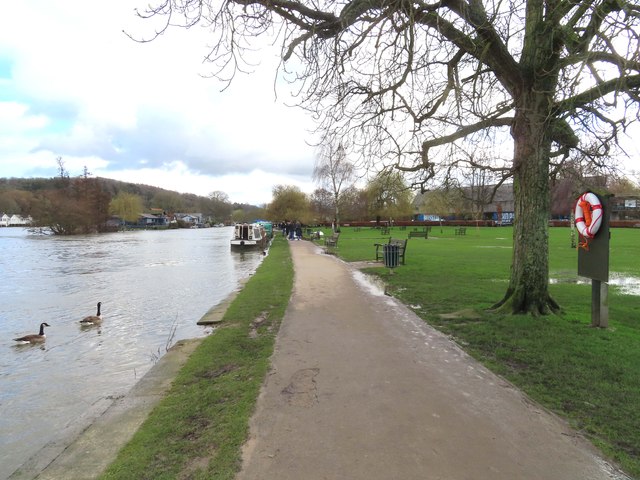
362	389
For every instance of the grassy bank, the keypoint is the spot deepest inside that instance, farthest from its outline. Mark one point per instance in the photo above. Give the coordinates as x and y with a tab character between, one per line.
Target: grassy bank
589	376
198	429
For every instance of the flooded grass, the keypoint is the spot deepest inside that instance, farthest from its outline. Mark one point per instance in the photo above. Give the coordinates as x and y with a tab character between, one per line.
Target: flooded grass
625	285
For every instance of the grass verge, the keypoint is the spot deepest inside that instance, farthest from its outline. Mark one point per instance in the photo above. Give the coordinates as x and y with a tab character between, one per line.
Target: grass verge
589	376
198	429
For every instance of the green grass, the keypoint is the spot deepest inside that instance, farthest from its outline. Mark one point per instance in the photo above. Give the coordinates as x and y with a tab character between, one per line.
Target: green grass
589	376
198	429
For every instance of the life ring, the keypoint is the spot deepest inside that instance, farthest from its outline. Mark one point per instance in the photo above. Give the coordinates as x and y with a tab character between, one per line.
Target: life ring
588	214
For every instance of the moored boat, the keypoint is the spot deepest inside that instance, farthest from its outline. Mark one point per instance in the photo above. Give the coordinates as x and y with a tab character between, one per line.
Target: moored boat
249	236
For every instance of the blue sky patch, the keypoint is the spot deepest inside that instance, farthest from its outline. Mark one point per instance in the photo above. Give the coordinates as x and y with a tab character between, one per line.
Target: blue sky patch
5	67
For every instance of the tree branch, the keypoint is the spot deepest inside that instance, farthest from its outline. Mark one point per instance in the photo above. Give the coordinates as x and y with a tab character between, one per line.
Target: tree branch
625	84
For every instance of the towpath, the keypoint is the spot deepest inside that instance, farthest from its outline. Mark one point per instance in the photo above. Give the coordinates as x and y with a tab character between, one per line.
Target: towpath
361	388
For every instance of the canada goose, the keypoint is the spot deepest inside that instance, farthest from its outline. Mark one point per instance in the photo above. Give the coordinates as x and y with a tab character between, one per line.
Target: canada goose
34	338
93	319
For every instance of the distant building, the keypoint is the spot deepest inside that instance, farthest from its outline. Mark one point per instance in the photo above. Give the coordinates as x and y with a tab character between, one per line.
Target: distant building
500	209
193	219
625	207
148	220
14	220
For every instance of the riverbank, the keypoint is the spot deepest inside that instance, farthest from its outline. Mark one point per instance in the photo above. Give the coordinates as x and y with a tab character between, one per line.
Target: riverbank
91	444
184	377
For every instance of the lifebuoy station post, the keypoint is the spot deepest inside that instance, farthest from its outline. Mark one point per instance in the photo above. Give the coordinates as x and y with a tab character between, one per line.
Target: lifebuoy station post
593	263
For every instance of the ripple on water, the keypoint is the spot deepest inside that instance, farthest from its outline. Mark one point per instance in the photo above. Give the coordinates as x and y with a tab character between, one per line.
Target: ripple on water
154	287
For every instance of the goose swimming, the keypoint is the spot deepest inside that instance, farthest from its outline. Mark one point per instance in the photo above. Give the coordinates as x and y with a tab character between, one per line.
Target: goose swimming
93	319
35	337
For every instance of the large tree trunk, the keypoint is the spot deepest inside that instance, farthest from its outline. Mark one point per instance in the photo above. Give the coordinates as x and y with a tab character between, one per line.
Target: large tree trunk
528	290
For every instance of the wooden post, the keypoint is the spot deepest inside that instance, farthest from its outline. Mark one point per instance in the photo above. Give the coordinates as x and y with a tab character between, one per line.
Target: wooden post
599	304
572	222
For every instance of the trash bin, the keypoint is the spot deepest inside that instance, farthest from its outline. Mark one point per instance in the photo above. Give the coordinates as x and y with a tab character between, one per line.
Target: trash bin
391	255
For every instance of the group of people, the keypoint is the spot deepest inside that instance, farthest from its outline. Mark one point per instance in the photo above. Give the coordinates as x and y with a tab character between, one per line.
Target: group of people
291	230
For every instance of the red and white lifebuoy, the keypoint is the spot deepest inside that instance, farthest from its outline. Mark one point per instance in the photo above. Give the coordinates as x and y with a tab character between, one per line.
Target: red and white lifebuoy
588	215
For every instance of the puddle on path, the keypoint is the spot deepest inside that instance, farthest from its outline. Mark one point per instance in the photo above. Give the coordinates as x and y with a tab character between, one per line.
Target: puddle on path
370	283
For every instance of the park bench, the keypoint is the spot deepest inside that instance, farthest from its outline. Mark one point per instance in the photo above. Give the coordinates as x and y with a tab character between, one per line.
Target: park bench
419	233
400	243
331	242
384	230
461	231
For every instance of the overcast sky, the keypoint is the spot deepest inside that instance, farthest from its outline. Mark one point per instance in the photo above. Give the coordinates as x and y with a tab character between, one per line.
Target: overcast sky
73	85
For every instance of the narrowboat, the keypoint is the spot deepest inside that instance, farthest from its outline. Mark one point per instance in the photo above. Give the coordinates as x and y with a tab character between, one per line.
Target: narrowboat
248	236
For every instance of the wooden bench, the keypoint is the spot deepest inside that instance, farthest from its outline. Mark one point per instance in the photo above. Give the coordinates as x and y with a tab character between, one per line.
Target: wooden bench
461	231
331	242
418	233
400	243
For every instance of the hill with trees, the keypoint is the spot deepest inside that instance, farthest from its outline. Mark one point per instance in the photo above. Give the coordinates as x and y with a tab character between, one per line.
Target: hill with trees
84	204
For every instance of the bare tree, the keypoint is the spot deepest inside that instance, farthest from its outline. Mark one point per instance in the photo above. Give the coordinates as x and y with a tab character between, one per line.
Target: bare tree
219	196
220	205
479	182
62	172
354	204
322	204
409	82
334	172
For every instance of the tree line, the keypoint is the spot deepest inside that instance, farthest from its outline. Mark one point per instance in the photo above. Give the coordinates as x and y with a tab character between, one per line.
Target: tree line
83	204
384	197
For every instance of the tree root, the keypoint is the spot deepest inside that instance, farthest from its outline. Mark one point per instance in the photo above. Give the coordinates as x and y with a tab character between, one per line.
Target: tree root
518	302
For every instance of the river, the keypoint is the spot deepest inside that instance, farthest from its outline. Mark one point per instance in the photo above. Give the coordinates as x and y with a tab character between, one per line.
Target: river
154	286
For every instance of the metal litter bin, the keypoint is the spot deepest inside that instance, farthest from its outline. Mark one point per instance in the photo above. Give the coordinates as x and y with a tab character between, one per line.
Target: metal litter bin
391	255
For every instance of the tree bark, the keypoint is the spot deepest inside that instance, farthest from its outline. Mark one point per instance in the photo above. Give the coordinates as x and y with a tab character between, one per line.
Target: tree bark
528	290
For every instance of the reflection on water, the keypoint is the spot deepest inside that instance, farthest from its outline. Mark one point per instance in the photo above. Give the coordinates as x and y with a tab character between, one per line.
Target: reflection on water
150	285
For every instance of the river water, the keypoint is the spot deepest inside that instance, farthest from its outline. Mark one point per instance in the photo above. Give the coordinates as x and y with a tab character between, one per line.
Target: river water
154	286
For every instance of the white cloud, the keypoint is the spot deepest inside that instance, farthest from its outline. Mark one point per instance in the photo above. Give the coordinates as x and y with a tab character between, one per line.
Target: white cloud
254	187
79	88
